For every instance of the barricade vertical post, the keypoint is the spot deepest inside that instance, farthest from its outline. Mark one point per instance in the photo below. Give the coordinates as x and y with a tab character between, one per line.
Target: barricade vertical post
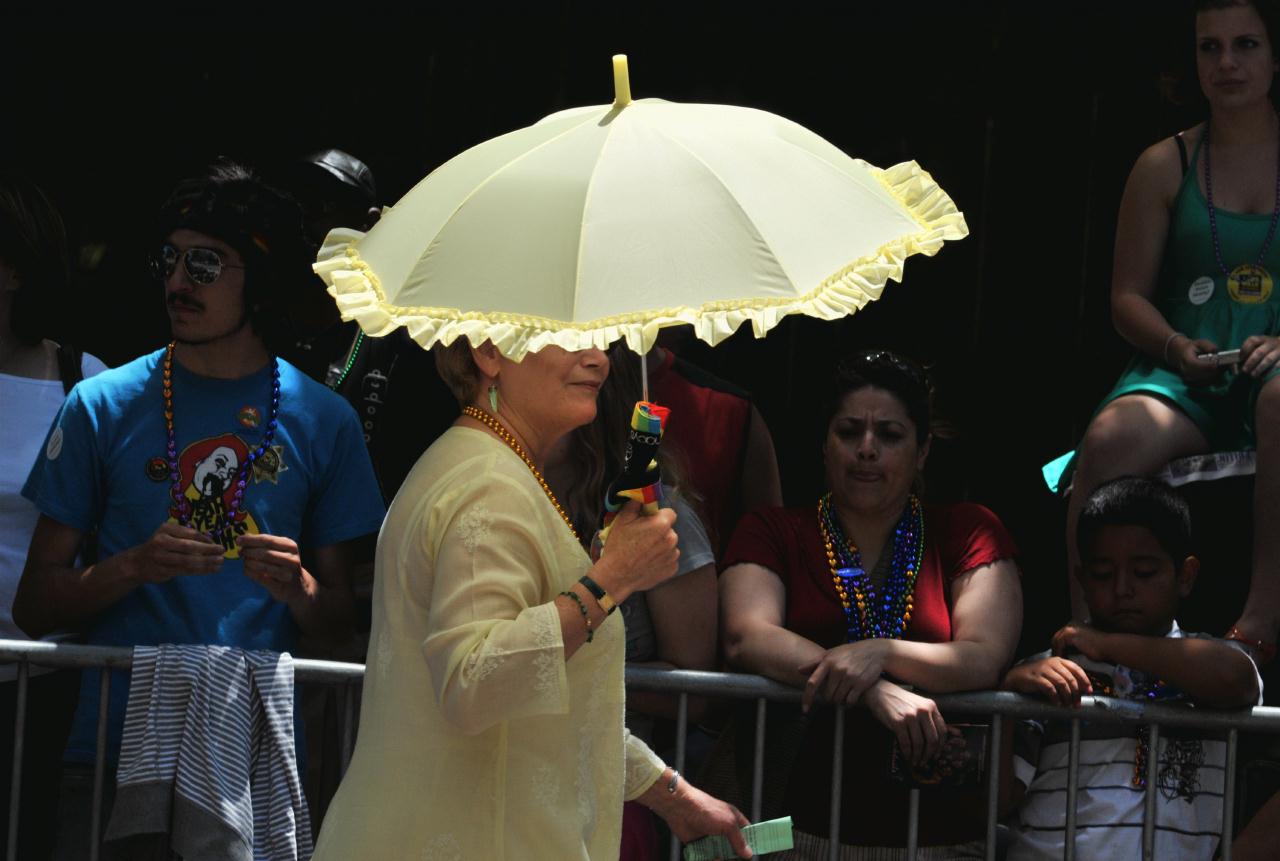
837	777
15	786
682	728
1229	795
347	694
993	784
913	823
99	764
1149	802
757	766
1073	786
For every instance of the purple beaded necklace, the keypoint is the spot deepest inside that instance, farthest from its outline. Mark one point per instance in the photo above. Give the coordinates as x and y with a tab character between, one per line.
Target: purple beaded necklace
182	505
869	613
1213	219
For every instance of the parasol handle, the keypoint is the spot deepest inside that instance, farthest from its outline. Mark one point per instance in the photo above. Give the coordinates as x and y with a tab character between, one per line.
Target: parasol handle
644	376
621	82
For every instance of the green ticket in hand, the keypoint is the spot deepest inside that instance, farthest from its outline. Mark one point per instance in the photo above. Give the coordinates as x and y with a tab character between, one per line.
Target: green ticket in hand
763	838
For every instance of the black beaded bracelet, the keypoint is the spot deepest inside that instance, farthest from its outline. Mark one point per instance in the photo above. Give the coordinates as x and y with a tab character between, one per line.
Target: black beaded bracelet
582	608
597	591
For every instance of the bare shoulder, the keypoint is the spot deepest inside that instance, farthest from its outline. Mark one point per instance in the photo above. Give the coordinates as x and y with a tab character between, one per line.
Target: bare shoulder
1158	170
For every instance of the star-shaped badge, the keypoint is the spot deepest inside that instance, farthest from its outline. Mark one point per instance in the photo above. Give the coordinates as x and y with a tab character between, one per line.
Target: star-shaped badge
269	465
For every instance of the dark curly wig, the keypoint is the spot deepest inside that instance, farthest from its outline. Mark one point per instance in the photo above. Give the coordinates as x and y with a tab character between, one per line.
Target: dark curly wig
231	203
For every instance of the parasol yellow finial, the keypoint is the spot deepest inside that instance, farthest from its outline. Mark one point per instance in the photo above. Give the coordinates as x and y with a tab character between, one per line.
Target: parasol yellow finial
621	82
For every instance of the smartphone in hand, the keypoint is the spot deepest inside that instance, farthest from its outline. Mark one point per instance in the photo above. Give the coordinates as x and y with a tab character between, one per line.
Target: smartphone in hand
1221	358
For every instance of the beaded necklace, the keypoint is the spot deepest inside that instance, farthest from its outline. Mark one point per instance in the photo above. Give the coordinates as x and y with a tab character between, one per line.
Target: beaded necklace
341	378
1213	218
182	505
1150	692
492	423
867	613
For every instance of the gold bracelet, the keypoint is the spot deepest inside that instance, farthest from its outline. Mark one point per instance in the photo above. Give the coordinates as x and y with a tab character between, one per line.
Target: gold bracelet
582	608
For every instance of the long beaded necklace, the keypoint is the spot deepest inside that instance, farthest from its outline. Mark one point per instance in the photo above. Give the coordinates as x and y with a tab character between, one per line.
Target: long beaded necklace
336	382
492	423
1244	269
869	614
182	505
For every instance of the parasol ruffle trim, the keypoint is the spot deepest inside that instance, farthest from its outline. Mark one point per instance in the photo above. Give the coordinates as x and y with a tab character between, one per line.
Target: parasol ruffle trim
359	295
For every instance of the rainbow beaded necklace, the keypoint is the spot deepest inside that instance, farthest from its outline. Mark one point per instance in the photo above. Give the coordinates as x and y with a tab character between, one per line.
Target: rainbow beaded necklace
869	614
181	504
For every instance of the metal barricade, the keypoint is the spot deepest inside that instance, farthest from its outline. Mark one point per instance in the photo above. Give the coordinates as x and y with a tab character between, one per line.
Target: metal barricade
1000	706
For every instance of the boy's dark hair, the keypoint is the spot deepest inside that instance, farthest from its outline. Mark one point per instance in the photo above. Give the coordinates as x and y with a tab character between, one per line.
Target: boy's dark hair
229	202
1144	502
33	241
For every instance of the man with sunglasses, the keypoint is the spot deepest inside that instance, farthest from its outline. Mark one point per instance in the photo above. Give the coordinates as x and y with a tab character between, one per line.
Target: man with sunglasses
226	488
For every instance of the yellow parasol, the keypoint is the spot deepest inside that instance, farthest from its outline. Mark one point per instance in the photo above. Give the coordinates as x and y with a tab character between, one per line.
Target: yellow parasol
610	222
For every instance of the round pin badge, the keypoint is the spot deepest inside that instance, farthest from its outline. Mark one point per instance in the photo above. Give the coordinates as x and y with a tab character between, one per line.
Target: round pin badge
250	417
157	469
1201	290
1249	284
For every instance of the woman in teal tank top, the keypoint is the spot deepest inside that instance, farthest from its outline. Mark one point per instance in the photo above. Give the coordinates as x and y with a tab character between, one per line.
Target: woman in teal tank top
1197	270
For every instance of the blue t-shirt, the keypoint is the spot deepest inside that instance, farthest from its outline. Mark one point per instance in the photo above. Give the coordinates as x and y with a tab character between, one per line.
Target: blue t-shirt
103	464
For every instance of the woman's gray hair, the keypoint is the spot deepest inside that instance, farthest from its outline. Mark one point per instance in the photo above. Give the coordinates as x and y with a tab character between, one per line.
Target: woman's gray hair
458	369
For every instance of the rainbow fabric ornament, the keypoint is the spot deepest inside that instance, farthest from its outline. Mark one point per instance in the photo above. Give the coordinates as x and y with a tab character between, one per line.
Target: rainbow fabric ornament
641	479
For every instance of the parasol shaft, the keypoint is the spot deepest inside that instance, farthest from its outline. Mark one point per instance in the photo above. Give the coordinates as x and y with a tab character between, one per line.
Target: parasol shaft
644	376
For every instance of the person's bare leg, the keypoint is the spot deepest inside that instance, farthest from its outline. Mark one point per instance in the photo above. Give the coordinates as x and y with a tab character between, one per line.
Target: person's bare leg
1261	617
1132	435
1257	842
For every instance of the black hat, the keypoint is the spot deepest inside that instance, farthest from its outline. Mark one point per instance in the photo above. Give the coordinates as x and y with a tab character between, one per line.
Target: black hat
348	170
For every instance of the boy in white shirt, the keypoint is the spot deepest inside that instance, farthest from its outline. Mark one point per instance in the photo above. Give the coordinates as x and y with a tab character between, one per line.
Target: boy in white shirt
1136	564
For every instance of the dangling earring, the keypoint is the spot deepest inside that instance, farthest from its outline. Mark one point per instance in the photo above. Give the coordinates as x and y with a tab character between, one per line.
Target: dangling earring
493	398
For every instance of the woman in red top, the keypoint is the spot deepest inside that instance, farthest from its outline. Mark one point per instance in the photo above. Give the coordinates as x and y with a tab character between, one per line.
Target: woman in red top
865	595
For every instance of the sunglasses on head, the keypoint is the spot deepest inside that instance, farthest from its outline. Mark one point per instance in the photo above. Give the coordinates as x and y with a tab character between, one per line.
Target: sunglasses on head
880	359
203	265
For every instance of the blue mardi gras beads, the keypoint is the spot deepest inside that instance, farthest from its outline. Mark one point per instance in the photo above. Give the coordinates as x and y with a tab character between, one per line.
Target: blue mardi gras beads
868	615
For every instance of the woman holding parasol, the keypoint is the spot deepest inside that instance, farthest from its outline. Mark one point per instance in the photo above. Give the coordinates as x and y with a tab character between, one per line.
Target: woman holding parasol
492	725
540	248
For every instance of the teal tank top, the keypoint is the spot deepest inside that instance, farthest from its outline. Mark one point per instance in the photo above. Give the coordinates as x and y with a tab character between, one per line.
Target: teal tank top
1195	296
1193	292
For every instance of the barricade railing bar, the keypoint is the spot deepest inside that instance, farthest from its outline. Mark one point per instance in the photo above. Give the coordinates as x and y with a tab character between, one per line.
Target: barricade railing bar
685	683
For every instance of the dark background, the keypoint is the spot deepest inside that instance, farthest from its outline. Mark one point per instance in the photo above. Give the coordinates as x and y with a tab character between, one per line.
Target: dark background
1029	115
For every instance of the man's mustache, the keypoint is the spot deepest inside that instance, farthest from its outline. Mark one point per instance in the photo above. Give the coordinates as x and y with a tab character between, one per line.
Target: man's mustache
180	300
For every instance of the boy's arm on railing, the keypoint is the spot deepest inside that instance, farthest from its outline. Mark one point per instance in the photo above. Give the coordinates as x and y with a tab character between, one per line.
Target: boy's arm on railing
1207	670
1055	679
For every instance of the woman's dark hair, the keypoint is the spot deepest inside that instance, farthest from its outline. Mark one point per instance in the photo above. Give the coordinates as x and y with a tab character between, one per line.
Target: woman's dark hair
1266	10
882	369
231	203
597	449
1145	502
1179	83
33	241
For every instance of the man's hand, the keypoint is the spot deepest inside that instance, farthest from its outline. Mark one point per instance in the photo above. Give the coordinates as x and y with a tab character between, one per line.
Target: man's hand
1054	679
173	551
274	562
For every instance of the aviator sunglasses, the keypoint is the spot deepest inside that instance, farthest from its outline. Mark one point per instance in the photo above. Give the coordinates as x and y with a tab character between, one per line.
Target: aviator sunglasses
203	265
